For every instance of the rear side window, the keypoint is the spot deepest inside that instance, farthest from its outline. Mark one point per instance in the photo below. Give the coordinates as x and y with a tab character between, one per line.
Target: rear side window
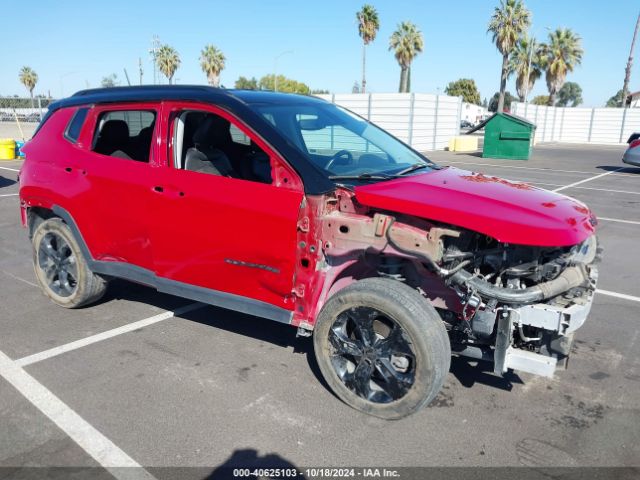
75	125
125	134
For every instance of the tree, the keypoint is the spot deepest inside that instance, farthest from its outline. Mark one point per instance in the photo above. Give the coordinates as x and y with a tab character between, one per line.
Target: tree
284	85
168	61
246	84
507	24
407	43
319	91
465	88
110	81
212	63
570	93
355	88
485	103
627	71
29	78
494	102
368	26
558	57
525	51
540	100
616	100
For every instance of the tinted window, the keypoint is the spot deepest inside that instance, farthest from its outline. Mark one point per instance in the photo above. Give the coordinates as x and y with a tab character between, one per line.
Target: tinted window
209	144
75	125
125	134
340	142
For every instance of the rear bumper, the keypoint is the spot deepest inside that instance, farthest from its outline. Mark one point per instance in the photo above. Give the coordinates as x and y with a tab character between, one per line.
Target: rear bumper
631	159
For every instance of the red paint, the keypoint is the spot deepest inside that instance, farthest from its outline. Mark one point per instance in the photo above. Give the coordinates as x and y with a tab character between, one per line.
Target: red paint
511	212
218	232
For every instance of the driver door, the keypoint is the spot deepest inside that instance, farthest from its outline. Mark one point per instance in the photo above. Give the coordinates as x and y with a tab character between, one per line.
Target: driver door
220	234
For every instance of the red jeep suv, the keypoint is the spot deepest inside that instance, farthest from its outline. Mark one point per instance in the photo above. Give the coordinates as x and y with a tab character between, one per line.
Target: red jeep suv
296	210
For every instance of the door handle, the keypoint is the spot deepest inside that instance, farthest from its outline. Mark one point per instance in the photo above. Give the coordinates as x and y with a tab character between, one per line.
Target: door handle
171	191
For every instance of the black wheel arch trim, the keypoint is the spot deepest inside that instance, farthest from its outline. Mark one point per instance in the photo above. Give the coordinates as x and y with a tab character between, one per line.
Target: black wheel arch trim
200	294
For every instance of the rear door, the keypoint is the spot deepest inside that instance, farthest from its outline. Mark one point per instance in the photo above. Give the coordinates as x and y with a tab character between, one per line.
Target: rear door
114	166
233	235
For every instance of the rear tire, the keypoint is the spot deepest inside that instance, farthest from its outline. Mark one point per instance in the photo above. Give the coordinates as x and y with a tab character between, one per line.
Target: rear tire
382	348
60	267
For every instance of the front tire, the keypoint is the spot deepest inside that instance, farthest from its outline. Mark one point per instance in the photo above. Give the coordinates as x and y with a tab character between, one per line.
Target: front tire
382	348
60	267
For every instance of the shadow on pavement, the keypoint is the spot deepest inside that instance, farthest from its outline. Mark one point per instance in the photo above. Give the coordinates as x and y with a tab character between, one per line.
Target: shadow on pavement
249	459
613	168
469	372
6	182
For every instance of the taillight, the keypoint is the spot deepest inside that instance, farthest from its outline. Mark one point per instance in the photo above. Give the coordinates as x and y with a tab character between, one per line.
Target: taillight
635	143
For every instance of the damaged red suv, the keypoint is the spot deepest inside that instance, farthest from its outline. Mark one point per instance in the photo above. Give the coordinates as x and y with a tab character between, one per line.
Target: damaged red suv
296	210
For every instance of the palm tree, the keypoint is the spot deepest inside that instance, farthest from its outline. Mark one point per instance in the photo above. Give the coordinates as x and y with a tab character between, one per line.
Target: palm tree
168	61
507	24
212	63
28	77
525	60
406	42
558	57
368	26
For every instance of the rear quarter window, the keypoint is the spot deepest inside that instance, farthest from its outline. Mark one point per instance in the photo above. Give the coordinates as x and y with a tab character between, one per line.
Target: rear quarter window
75	125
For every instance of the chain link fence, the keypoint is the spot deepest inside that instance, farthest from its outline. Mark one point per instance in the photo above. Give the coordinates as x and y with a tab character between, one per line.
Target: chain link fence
20	116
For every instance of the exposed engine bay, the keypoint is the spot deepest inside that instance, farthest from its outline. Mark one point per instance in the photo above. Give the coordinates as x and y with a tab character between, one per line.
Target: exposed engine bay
515	305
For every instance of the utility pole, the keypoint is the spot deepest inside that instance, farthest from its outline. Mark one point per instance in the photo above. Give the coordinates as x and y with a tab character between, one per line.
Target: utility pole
140	67
627	72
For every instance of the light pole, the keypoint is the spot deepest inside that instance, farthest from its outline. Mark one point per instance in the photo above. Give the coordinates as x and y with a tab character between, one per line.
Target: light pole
275	69
532	47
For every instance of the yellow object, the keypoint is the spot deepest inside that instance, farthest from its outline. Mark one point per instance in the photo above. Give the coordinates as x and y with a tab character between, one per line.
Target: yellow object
7	149
463	143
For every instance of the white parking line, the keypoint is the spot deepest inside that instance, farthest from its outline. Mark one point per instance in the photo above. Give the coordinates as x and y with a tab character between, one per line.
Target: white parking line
67	347
618	295
547	170
103	450
632	222
532	182
587	180
18	278
12	169
9	195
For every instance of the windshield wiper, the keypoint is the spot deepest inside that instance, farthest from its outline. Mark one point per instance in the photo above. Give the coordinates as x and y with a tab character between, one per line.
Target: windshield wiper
413	168
362	176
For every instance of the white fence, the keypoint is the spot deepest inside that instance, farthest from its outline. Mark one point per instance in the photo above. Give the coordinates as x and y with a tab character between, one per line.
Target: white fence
424	121
580	125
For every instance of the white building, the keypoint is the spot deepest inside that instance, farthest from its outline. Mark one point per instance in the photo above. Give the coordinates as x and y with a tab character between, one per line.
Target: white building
473	113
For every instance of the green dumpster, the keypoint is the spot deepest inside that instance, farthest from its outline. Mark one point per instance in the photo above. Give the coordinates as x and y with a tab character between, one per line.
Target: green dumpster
507	136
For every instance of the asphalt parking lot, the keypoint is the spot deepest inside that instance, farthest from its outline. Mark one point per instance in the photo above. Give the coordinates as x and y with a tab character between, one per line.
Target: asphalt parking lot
208	386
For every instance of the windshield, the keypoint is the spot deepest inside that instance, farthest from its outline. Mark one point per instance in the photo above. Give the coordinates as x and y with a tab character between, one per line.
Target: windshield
343	144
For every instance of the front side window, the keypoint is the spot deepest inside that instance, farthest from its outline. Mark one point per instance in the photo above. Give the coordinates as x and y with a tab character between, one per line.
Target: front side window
125	134
208	143
341	143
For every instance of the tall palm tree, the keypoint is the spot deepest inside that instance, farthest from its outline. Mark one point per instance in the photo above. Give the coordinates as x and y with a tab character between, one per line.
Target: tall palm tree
407	43
168	61
212	63
627	71
525	61
368	26
508	22
560	56
28	77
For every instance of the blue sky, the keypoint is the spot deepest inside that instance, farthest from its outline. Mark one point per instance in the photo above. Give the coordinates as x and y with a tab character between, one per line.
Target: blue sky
72	44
